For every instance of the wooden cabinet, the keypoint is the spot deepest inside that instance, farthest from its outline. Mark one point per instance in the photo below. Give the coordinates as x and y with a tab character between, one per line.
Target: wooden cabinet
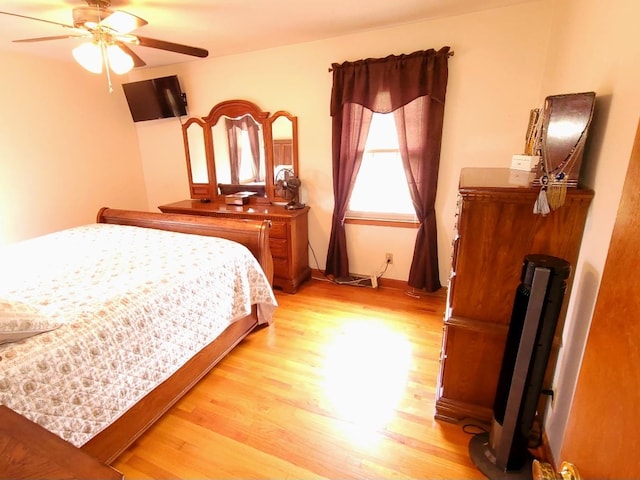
288	236
495	229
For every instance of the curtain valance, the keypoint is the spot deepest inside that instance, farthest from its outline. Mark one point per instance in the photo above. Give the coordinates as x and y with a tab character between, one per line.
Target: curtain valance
404	77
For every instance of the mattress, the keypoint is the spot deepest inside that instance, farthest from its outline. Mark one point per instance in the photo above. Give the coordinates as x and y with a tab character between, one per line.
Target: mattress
133	305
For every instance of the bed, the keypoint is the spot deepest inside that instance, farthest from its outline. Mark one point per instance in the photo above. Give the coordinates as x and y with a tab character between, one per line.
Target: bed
131	312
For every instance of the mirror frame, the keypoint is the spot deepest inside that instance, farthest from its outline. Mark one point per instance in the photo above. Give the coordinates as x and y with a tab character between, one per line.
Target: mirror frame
271	190
202	191
237	108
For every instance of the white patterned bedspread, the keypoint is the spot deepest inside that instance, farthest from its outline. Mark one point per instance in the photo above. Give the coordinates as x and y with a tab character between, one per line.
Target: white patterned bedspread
136	303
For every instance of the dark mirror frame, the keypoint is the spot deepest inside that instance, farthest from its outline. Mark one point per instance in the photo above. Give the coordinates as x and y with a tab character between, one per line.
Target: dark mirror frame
235	109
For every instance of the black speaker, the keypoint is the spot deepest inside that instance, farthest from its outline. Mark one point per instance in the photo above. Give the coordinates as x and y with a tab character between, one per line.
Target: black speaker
503	452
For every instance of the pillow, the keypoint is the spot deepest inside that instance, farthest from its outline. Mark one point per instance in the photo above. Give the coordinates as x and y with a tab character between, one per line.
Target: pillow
19	320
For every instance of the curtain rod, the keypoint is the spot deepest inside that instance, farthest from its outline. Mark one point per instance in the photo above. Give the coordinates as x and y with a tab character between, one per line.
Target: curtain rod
450	54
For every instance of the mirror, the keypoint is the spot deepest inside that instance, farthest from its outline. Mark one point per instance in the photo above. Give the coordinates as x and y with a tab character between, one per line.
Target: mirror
239	141
198	165
238	150
238	147
284	132
282	126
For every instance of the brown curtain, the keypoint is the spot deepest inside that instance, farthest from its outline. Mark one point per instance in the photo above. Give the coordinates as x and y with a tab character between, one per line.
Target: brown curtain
254	141
413	87
419	125
234	128
234	154
350	129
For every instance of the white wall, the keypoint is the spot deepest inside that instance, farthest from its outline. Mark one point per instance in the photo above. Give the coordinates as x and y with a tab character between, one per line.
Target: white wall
494	81
594	46
67	148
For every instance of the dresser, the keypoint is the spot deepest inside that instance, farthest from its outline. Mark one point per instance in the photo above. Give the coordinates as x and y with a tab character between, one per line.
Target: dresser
495	229
288	236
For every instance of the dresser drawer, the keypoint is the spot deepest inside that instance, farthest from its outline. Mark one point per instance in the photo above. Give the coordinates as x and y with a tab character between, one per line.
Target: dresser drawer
278	229
280	267
278	248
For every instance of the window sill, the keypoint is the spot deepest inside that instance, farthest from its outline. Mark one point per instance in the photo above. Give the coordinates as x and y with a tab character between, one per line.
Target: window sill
382	223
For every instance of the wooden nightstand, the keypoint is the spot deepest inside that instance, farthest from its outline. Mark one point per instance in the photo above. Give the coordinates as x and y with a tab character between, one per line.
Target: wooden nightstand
27	450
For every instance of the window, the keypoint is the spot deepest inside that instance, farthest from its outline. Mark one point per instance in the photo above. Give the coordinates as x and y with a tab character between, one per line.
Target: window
380	192
413	87
247	173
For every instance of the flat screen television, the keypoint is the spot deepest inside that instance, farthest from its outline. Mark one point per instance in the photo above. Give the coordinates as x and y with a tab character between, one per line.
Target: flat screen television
155	98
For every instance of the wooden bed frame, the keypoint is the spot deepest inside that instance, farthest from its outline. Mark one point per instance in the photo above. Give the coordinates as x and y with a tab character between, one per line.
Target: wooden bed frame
112	441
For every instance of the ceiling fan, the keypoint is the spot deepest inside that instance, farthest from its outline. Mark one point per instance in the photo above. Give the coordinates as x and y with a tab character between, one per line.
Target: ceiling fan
109	32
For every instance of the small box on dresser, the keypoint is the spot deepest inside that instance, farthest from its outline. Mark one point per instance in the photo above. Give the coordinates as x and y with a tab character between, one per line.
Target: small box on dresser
238	198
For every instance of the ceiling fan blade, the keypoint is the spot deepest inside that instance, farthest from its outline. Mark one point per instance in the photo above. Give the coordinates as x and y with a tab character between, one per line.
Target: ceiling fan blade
123	22
37	19
137	61
44	39
173	47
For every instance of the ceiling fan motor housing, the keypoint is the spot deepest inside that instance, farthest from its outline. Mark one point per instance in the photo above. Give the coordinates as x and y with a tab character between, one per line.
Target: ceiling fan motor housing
98	3
92	15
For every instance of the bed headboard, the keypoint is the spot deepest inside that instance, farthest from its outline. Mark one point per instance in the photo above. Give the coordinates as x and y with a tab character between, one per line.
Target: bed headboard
254	234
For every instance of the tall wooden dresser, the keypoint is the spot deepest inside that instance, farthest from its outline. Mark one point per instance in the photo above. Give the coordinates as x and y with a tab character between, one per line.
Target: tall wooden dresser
288	236
495	229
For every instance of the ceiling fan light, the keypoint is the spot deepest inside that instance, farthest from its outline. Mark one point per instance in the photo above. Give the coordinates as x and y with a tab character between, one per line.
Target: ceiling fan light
119	61
122	22
89	56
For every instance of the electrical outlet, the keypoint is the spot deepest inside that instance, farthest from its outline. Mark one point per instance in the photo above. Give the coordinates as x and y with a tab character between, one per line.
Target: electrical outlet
389	258
552	393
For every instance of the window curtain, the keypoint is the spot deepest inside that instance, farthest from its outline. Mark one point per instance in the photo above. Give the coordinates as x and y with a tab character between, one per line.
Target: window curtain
234	150
412	86
350	129
254	141
235	126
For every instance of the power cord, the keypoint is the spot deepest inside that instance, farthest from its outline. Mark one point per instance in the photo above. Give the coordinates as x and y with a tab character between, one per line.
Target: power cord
386	265
473	429
326	278
313	252
534	439
356	281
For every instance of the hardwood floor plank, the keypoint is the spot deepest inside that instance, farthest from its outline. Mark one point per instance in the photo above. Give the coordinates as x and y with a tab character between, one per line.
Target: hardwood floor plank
342	385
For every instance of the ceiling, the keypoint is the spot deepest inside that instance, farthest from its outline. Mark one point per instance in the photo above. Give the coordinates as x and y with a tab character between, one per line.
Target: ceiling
226	27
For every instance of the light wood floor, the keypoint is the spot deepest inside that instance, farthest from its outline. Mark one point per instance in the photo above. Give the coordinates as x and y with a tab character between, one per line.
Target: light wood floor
340	386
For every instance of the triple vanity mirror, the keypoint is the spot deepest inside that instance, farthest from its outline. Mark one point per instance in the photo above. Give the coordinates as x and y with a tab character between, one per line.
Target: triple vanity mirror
240	148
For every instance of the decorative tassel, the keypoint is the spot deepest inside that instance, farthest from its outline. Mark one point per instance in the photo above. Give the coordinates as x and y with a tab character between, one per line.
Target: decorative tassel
542	204
557	192
553	195
563	192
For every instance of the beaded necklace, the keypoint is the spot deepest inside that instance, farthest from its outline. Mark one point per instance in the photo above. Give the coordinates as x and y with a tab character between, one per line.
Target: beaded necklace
553	190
